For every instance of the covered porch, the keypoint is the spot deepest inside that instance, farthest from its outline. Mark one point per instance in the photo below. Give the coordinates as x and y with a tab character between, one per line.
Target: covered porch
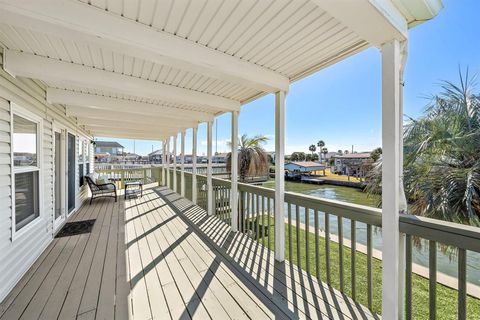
163	257
153	70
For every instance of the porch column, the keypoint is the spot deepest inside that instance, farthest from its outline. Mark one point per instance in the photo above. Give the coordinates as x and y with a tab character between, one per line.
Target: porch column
392	121
209	169
168	162
175	162
234	173
164	145
194	164
279	175
182	163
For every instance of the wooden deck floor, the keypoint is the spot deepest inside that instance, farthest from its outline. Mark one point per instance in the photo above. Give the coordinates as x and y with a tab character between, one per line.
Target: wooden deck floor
161	257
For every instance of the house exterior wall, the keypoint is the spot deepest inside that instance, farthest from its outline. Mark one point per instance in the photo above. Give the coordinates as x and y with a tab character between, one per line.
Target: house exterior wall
18	253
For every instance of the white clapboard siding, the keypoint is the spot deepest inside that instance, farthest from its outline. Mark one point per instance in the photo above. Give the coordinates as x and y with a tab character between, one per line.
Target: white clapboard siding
18	255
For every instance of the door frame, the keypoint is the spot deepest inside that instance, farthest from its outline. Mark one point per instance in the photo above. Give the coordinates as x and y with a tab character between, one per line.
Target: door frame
75	165
58	222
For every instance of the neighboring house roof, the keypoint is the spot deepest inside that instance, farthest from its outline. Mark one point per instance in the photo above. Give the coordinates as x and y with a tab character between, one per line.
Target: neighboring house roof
108	144
221	155
101	155
131	155
354	155
306	164
156	152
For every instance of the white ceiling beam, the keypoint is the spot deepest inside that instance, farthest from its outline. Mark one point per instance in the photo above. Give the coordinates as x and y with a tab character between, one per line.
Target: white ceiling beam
92	123
376	21
135	132
85	114
151	131
91	101
47	69
78	21
123	135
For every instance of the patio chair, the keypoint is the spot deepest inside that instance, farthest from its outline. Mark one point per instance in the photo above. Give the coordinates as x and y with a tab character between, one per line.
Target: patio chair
101	190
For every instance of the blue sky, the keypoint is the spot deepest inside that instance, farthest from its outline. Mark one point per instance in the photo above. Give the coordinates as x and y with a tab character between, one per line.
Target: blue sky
342	104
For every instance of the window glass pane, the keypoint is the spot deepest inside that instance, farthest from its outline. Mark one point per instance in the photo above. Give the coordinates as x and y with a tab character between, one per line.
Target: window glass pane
24	142
80	174
26	198
81	148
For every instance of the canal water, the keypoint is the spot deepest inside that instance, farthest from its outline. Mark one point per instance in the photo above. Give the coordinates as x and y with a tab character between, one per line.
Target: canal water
446	263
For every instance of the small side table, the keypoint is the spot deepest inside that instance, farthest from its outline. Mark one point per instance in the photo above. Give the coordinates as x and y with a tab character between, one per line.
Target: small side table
133	188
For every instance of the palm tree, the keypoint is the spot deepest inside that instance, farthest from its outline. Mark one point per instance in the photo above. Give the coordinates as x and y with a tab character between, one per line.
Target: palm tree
252	158
325	151
442	159
320	145
312	148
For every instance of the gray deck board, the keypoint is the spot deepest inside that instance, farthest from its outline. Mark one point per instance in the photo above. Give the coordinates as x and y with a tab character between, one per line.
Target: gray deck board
161	257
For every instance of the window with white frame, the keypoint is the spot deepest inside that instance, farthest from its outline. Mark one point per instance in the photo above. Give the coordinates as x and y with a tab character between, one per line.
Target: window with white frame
26	164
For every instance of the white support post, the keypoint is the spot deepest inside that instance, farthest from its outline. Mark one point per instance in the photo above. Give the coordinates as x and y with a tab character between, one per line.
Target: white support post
391	124
168	162
279	176
209	168
403	207
175	162
182	163
194	164
164	179
234	173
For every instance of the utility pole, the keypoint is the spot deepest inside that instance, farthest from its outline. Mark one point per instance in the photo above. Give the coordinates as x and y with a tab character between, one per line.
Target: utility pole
216	136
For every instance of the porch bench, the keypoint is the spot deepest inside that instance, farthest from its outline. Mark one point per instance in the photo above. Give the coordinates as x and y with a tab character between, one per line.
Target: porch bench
101	190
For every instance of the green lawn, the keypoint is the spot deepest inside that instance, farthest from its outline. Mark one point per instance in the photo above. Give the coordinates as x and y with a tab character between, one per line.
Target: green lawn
446	297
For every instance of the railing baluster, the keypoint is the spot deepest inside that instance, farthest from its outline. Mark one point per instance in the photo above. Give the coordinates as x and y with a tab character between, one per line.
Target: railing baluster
307	239
369	267
353	254
408	277
268	221
248	214
290	246
327	247
273	226
317	249
263	220
215	195
297	233
340	252
432	288
252	216
462	284
241	211
257	218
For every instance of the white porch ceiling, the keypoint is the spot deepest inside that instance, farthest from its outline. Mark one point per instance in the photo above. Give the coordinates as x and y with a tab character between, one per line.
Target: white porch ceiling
199	57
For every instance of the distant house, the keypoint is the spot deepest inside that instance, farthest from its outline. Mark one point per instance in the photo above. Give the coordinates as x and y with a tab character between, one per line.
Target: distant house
156	156
296	169
352	164
331	155
113	148
132	157
220	158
